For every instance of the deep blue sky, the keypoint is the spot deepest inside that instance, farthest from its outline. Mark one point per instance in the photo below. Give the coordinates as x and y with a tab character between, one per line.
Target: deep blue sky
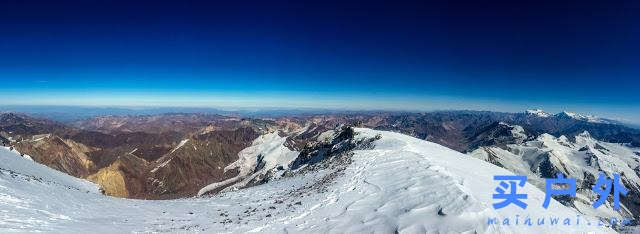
505	56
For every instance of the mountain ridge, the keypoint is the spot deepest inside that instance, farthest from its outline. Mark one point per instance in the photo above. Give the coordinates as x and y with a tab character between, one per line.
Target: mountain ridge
213	142
353	192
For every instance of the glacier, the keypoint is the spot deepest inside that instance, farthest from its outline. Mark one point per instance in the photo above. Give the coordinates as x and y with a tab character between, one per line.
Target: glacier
401	184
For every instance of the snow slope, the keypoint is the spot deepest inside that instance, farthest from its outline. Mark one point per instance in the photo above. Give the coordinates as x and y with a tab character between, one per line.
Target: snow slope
538	112
268	150
582	158
583	117
402	184
517	131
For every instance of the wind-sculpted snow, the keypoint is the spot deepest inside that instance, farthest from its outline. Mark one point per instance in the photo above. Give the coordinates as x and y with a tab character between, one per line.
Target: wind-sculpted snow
401	184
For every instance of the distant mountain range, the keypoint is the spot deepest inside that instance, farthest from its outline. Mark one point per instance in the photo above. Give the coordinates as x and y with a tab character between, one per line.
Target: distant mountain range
352	180
581	157
178	155
153	155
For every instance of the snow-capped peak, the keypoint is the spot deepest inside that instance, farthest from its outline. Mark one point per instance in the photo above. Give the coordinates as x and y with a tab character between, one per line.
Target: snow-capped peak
574	115
585	134
402	184
545	137
538	112
582	117
583	158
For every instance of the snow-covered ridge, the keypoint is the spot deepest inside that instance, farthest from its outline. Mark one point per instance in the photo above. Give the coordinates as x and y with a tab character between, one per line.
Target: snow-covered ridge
12	161
167	161
517	131
581	157
266	153
538	112
582	117
403	184
182	142
572	115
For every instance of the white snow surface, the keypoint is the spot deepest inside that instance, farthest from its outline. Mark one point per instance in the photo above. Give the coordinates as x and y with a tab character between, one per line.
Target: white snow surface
583	156
538	112
180	145
167	161
268	148
577	116
326	136
398	186
583	117
517	131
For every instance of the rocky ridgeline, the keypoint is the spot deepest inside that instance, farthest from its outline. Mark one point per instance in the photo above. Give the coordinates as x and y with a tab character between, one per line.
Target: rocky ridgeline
175	155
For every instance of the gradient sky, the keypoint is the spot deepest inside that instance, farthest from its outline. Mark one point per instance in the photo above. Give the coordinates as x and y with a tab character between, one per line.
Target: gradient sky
504	56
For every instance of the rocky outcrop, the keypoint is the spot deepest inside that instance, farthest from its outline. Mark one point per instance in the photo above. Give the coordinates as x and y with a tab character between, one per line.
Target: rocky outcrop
333	143
496	134
4	141
112	180
123	178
